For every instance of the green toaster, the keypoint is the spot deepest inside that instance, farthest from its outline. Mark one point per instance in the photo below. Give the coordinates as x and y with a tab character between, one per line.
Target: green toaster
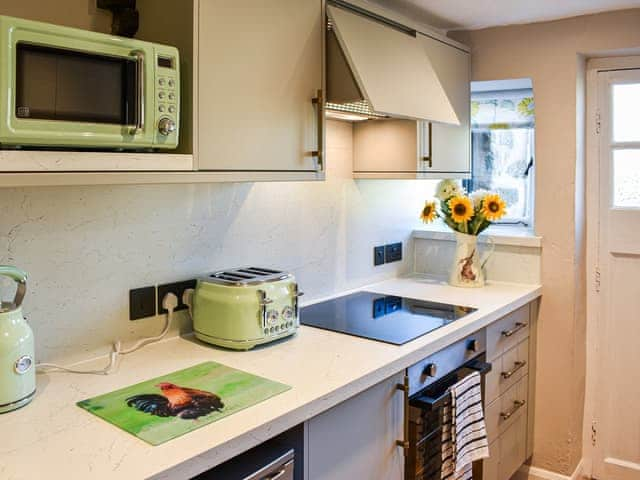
245	307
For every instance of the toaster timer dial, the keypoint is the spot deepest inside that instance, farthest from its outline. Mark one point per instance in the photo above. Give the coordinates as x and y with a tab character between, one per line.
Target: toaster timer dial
287	313
272	317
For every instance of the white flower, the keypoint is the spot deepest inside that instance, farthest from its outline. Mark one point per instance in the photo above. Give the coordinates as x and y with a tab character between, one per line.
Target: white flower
447	189
478	195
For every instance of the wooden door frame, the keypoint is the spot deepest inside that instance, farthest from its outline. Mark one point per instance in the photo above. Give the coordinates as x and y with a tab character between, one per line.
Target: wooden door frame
591	447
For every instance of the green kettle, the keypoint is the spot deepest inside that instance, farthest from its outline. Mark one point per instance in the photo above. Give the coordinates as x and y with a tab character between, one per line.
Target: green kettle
17	364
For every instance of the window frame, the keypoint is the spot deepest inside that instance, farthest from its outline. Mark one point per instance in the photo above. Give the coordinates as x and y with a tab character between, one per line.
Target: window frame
470	184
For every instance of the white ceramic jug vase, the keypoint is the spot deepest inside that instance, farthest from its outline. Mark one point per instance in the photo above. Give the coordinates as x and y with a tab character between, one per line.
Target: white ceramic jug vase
467	268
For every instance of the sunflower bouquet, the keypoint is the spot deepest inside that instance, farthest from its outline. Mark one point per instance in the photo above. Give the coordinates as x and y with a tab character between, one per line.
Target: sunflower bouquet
470	214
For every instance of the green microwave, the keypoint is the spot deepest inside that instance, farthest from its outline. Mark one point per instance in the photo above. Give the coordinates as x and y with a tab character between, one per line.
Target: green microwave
66	87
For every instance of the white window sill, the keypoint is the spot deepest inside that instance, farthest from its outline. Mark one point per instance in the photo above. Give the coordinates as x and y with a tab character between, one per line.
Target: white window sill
515	236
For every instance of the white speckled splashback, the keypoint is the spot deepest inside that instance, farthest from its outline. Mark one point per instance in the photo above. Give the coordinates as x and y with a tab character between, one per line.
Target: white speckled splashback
508	263
85	247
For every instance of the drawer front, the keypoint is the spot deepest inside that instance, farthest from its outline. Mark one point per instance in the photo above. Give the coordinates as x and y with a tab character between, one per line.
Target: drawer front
513	446
507	409
506	371
506	333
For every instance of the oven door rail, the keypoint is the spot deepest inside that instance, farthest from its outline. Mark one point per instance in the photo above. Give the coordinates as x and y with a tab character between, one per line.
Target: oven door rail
437	395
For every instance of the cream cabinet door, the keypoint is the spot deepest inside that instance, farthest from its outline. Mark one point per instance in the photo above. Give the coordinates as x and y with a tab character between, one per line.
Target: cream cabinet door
357	439
446	149
385	146
259	67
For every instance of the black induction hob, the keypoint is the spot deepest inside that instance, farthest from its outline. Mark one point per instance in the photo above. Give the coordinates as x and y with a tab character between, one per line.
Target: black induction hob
385	318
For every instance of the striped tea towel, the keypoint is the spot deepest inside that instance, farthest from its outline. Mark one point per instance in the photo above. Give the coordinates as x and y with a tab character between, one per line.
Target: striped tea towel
464	436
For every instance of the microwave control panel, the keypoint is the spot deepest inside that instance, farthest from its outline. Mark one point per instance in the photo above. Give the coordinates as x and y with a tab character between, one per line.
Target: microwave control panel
167	98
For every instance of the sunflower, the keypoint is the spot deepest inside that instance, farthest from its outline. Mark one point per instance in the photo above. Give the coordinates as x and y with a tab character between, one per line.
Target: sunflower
461	209
493	207
428	213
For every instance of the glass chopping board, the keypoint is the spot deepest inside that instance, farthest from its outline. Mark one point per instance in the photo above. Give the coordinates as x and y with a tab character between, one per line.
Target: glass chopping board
166	407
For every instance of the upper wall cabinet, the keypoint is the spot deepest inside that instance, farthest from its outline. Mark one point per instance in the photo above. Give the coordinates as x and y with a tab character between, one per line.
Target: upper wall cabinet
396	148
259	75
251	99
389	65
406	88
446	149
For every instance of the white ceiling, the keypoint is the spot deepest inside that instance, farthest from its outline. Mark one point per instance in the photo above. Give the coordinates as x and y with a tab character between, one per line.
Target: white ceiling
474	14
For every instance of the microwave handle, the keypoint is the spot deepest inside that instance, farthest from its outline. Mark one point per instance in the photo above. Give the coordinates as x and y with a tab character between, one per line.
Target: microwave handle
140	84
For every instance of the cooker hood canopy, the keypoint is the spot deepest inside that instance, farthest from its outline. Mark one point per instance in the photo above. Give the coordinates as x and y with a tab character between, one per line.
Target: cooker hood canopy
377	68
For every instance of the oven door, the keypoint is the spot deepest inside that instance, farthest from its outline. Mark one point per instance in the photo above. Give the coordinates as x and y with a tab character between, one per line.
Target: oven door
68	87
424	456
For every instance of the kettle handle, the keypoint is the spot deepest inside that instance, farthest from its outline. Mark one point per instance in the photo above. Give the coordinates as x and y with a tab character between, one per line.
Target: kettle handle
20	277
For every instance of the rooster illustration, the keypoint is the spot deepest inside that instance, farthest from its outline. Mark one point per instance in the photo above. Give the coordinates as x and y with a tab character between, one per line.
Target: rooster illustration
175	401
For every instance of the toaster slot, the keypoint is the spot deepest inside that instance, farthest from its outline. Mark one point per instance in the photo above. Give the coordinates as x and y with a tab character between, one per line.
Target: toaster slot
238	277
226	276
259	271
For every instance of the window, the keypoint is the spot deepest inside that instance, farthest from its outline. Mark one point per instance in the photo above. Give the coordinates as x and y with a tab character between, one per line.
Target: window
625	102
502	145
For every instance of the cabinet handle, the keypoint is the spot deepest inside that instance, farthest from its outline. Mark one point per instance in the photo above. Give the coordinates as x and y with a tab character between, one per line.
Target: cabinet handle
276	475
517	405
318	101
404	388
519	326
516	366
429	158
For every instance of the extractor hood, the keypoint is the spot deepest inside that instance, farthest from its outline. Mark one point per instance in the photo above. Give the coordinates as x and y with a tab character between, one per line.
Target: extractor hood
378	68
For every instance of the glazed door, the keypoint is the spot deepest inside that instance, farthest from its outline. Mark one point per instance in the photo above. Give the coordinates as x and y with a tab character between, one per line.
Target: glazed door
617	416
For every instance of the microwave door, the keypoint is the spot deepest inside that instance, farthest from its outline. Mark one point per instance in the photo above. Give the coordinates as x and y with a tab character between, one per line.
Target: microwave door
65	85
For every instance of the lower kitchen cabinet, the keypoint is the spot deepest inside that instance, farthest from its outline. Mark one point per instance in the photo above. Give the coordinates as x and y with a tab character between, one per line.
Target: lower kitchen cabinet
508	393
357	438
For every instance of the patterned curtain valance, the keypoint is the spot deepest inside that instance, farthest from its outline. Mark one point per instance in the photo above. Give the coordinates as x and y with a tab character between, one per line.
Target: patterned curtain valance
502	110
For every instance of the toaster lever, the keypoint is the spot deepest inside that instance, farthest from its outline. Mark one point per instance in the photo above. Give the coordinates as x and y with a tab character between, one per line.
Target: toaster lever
264	300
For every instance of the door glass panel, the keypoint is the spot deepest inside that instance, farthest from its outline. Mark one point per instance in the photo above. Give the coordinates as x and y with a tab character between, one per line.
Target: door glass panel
626	112
626	178
56	84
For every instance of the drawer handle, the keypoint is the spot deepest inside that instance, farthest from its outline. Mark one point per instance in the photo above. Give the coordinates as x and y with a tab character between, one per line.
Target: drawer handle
519	326
516	366
517	405
276	475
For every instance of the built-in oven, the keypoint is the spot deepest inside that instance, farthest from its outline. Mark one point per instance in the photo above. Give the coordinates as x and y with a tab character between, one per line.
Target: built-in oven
427	394
66	87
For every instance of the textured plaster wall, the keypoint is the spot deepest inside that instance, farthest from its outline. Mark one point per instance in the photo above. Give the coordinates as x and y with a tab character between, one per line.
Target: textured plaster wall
552	54
85	247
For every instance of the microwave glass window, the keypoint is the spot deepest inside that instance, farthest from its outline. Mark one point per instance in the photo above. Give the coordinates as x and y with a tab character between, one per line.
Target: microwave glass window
56	84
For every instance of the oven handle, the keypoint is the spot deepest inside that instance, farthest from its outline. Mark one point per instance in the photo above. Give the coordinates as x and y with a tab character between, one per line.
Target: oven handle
424	402
140	85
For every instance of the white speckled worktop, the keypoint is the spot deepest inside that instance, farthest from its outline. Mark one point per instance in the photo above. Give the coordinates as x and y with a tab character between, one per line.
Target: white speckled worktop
53	438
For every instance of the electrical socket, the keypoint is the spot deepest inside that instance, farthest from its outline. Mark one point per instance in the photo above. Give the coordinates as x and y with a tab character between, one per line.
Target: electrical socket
142	303
378	256
393	252
177	288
